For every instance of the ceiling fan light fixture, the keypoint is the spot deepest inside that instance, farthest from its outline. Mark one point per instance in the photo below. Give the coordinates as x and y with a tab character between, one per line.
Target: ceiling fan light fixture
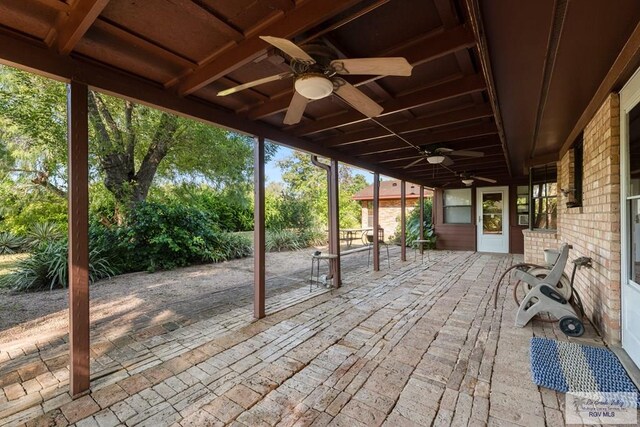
467	181
313	86
435	160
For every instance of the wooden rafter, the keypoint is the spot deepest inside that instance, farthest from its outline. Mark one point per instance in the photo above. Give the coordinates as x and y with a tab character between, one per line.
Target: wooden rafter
56	4
418	124
80	18
473	9
301	18
393	143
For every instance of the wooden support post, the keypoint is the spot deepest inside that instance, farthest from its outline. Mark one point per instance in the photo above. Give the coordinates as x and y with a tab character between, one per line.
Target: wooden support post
421	201
334	223
403	221
376	221
78	212
258	230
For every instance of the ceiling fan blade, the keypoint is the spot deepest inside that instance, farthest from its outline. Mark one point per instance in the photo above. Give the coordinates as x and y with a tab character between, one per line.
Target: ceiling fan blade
296	109
466	153
373	66
289	47
447	161
415	162
479	178
254	83
358	100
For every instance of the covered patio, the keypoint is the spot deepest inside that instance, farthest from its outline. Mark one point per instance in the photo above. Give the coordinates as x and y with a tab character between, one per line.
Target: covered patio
527	90
418	344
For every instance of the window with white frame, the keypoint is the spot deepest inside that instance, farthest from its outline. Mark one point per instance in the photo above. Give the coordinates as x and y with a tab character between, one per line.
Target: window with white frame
457	206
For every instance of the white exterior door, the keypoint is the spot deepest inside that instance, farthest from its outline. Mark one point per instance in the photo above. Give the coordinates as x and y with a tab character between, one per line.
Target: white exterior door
630	215
493	219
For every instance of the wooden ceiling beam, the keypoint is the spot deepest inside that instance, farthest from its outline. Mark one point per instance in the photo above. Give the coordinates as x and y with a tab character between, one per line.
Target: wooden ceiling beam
303	17
475	18
56	4
418	98
418	124
22	52
417	51
79	19
436	137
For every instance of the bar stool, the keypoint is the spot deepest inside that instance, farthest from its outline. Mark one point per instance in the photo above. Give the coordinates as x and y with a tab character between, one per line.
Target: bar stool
367	239
418	244
316	257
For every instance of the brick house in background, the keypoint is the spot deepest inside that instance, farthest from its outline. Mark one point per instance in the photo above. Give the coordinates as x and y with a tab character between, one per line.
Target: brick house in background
389	204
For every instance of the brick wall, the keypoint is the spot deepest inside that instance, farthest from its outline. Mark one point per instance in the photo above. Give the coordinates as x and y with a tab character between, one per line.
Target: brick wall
594	228
389	215
535	242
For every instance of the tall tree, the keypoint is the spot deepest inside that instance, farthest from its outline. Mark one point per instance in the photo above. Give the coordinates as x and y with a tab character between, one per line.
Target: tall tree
310	183
131	145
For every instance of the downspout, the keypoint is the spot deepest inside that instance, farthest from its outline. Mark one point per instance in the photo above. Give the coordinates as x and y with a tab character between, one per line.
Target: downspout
333	224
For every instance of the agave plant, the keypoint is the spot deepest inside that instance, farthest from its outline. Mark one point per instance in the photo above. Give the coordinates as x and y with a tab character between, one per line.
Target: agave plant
47	268
44	232
10	243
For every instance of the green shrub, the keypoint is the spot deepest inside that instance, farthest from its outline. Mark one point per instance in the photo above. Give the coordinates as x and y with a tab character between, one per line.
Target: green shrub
287	211
230	246
43	232
47	268
229	210
160	237
413	226
10	243
292	240
20	212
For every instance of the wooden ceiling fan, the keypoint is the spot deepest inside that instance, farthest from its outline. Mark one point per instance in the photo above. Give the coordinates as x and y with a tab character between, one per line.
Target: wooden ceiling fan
316	71
437	155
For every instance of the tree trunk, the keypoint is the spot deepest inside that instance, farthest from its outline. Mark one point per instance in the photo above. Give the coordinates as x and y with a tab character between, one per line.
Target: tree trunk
117	153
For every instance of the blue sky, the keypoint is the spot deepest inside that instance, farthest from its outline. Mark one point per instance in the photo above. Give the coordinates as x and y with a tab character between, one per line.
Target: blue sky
274	174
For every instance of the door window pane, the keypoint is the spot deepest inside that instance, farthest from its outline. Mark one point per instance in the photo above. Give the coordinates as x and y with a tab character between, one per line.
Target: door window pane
492	213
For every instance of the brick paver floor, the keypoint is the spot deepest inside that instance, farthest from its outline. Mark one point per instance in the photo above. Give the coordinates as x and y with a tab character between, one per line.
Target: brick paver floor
417	344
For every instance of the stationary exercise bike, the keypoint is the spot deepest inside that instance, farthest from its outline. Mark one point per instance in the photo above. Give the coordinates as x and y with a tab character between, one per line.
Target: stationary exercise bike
549	290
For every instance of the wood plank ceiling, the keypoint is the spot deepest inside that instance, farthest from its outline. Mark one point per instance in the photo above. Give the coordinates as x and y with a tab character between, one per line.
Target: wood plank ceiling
177	54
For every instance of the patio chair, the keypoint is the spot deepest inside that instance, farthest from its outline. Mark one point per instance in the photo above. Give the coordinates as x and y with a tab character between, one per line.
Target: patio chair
367	239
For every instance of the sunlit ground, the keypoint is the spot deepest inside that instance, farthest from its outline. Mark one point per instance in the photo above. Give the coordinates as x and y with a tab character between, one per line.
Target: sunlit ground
8	262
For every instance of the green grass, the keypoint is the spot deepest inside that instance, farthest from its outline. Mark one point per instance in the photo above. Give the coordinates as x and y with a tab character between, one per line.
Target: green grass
7	262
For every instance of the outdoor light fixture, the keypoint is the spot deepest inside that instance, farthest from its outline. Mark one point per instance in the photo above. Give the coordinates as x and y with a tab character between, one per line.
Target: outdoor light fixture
314	86
467	181
434	160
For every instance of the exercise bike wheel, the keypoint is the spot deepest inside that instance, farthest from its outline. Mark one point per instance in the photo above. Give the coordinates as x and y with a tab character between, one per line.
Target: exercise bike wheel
571	326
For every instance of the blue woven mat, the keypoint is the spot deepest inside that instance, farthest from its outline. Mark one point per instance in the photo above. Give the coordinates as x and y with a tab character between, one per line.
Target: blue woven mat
571	367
